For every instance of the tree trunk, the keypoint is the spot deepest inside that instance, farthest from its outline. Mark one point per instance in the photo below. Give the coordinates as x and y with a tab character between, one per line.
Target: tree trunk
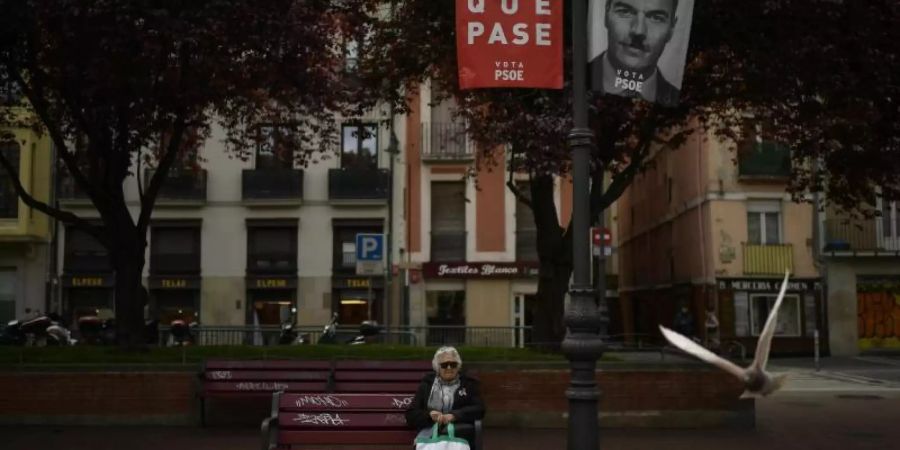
555	255
130	294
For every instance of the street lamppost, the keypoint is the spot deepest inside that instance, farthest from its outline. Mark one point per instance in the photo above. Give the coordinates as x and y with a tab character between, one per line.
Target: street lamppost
582	344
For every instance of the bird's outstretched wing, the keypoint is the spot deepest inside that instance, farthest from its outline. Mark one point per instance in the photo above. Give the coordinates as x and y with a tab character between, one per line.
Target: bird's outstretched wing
695	349
765	337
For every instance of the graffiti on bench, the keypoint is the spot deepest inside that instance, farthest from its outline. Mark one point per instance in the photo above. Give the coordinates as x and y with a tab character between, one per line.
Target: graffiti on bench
327	419
395	419
220	375
402	403
254	386
330	401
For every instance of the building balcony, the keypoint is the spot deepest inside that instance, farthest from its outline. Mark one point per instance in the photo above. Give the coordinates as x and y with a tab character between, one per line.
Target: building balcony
445	142
448	246
765	161
180	187
278	185
864	237
272	263
68	191
768	259
358	185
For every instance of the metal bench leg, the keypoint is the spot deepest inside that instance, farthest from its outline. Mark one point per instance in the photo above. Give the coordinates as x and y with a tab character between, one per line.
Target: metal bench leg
478	436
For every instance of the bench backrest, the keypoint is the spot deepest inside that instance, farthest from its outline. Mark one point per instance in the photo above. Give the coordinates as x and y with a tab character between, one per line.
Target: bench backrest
343	418
266	376
379	376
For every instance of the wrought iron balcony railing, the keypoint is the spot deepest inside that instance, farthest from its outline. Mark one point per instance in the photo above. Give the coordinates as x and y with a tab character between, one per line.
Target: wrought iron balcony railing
272	184
445	141
358	184
861	235
180	185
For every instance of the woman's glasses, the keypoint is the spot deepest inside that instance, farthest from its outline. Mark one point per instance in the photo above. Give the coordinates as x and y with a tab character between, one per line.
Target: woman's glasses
449	365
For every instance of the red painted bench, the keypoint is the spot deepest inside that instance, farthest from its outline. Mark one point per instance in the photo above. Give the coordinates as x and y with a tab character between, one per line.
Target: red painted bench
260	379
366	407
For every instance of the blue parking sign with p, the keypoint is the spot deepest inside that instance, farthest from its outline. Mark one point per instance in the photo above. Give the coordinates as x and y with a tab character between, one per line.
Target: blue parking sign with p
369	247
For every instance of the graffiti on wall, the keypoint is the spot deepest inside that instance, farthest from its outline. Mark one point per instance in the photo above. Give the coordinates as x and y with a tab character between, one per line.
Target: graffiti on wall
878	315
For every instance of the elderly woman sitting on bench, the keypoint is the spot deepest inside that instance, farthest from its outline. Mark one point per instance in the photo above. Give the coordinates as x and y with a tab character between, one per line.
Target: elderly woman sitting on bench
446	396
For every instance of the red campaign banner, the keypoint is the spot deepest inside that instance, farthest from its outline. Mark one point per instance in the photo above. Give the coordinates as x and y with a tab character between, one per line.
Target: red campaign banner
509	43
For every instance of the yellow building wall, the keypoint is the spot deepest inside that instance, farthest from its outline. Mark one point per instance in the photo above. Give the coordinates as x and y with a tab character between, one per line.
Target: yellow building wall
34	173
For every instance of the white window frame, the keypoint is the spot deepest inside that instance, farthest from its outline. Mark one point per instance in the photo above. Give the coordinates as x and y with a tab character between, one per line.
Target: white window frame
755	328
761	208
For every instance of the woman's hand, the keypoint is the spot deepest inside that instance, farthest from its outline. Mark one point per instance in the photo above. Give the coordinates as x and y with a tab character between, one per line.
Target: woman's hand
446	418
436	416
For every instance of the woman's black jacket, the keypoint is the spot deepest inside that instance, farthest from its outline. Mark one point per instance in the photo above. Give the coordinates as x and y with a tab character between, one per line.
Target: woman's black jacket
467	404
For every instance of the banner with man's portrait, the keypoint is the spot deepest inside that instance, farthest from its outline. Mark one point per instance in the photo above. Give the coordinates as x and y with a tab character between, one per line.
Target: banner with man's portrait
638	48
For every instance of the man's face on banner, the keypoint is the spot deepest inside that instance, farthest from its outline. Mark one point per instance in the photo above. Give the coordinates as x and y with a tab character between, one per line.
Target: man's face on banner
638	31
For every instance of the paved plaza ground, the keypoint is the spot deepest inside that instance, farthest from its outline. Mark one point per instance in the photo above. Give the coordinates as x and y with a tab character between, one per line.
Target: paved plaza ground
847	405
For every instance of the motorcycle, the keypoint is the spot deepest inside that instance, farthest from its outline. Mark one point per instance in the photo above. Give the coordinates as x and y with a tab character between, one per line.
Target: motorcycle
289	335
38	331
182	333
368	329
95	331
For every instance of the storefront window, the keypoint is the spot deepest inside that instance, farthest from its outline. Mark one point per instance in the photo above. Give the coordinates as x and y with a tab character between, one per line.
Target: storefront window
355	307
788	323
446	312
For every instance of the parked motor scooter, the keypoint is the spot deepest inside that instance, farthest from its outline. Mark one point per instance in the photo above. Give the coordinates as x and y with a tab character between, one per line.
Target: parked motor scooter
12	334
368	329
95	331
289	334
46	330
181	333
329	333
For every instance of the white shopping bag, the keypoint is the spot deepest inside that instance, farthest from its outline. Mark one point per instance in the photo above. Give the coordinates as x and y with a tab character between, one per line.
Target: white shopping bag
442	442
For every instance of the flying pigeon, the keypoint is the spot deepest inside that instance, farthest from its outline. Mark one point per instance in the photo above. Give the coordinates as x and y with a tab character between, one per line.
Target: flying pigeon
757	382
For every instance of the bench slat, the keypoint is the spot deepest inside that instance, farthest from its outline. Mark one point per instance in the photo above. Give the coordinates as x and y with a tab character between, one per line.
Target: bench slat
265	375
345	375
342	402
364	387
343	421
263	386
291	437
267	365
383	365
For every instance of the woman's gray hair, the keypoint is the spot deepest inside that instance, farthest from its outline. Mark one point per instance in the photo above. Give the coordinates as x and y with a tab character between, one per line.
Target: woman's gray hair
448	350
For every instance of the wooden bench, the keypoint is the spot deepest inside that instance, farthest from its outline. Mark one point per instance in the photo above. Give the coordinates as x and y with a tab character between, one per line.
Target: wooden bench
260	379
366	407
378	376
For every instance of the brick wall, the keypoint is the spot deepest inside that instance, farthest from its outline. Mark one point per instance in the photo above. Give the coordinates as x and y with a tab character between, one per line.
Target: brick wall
528	398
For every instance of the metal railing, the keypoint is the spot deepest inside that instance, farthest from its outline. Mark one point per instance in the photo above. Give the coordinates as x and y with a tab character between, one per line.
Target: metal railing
858	235
505	337
358	184
180	185
768	259
260	184
445	141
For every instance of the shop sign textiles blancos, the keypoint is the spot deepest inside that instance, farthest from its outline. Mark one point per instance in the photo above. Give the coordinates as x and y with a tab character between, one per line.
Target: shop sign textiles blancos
509	43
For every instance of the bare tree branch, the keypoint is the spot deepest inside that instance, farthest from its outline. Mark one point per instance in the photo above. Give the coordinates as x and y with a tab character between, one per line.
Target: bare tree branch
56	213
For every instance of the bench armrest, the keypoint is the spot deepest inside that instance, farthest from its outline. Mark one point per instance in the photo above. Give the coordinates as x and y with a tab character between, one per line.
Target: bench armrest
479	436
269	433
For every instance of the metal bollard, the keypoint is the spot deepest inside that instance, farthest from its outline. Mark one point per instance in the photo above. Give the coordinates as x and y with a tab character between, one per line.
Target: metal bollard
816	348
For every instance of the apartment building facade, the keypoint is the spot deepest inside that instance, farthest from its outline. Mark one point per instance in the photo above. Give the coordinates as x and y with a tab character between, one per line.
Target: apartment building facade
24	233
701	232
468	246
862	265
241	242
